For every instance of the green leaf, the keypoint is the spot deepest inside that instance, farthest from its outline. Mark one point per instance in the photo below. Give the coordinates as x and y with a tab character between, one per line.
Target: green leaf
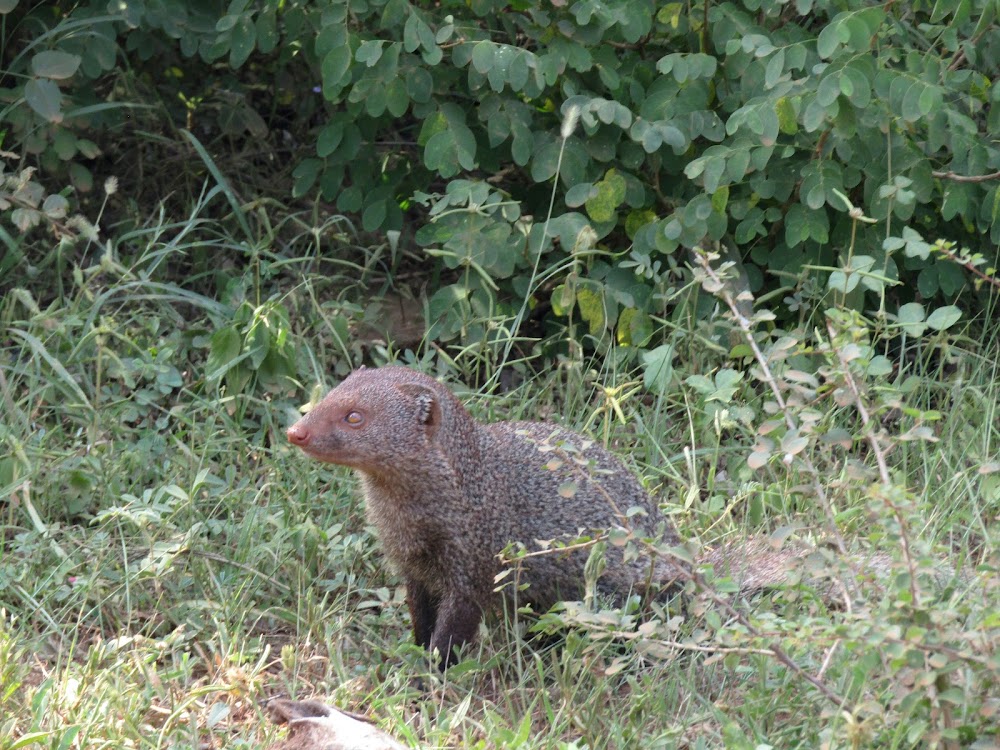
258	343
373	216
820	180
579	194
419	85
373	97
591	304
244	39
879	366
227	22
652	135
350	199
927	282
944	318
911	318
950	278
87	148
336	64
829	39
55	64
441	154
396	99
304	176
912	97
610	195
544	162
417	34
942	9
775	68
658	369
64	143
29	738
958	200
223	352
914	245
563	298
81	177
267	30
369	52
687	66
803	224
847	280
329	138
44	97
483	54
518	71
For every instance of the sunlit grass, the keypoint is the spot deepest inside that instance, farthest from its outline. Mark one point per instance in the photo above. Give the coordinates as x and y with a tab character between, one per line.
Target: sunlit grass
167	562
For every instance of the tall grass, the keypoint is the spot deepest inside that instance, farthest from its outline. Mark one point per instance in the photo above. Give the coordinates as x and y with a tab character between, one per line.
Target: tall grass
167	562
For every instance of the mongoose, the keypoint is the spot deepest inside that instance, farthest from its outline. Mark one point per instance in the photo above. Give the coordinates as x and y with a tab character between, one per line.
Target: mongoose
446	494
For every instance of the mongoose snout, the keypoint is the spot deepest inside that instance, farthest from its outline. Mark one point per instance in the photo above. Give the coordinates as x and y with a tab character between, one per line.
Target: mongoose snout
298	435
321	443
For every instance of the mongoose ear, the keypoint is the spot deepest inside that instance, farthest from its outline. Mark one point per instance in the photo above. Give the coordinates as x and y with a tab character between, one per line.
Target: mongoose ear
428	407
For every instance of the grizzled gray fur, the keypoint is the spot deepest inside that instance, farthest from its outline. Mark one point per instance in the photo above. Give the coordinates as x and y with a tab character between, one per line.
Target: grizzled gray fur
447	494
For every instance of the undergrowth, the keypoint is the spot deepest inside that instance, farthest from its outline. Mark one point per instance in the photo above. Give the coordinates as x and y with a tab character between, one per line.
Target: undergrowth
168	562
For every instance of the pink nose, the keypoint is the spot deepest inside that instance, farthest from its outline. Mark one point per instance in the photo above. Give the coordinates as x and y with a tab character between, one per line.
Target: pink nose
297	435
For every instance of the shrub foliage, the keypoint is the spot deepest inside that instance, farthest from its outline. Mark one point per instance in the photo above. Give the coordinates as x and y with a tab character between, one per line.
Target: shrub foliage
756	125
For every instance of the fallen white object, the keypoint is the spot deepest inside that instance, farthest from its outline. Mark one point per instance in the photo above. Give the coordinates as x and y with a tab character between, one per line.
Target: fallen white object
316	726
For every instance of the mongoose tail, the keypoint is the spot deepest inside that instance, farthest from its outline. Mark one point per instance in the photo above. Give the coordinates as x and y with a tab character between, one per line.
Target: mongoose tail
755	564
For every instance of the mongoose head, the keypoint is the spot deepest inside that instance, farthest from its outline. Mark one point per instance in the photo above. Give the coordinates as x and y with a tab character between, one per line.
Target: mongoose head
374	421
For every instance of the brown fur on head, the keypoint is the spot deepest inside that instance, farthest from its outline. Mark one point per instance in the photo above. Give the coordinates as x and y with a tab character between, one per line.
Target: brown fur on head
371	421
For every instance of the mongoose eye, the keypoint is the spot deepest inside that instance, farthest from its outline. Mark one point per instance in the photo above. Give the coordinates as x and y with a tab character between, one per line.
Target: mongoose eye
354	418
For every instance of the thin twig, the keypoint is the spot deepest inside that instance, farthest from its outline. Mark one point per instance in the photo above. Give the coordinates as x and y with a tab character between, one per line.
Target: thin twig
246	568
631	635
883	467
555	550
775	650
827	659
768	377
966	178
967	266
23	494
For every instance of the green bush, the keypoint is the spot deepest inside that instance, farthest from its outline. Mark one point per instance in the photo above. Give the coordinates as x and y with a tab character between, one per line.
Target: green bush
742	123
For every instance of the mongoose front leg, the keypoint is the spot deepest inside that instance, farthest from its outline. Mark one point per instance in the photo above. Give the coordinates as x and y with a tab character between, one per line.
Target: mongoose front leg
423	611
457	623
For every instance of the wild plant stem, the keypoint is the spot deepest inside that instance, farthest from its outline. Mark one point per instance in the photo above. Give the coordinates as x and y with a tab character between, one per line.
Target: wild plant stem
883	466
768	377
